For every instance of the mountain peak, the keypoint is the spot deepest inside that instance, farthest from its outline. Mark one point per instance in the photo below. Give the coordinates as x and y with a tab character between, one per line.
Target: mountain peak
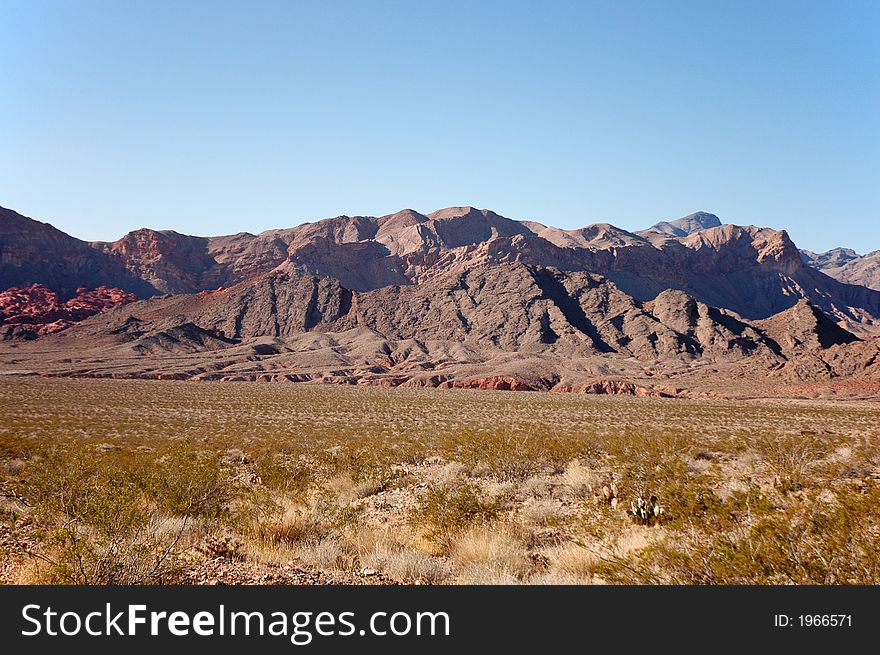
830	258
847	265
456	212
686	225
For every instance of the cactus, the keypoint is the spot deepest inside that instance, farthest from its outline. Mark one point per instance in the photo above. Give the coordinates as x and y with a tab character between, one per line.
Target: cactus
609	493
647	512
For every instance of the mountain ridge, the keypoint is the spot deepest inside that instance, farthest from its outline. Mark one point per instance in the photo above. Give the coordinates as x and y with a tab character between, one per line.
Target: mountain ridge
461	297
753	271
846	265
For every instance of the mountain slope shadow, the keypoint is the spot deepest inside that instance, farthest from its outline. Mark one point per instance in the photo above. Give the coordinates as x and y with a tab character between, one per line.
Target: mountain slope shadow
553	290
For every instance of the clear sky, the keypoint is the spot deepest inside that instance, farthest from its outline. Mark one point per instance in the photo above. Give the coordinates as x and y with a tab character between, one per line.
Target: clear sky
217	117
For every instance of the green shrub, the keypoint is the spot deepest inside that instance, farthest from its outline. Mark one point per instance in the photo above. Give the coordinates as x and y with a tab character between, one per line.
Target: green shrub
96	524
448	510
187	483
514	455
814	541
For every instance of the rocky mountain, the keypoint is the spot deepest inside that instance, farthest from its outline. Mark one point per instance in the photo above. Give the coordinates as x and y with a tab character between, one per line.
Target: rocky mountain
498	326
458	297
509	306
32	252
834	258
167	261
847	266
755	272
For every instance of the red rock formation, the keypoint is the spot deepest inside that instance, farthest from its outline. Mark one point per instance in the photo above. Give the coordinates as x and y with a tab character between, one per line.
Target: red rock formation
38	310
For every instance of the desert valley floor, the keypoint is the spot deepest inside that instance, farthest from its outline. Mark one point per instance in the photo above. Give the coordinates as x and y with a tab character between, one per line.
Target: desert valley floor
210	482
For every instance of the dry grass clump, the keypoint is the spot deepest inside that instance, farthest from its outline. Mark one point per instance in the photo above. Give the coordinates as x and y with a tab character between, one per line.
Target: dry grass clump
538	487
309	527
329	553
14	467
494	553
348	490
382	549
578	480
291	522
541	512
447	474
573	562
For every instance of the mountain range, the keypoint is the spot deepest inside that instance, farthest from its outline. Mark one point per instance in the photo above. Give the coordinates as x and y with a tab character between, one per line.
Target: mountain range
460	297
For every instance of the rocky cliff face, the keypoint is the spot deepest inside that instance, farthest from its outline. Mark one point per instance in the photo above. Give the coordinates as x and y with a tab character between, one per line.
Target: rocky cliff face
169	262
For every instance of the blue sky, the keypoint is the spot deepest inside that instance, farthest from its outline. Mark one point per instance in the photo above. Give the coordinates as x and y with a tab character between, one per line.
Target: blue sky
217	117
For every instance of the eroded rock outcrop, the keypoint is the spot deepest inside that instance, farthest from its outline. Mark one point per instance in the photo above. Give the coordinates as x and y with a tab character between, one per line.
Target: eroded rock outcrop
37	310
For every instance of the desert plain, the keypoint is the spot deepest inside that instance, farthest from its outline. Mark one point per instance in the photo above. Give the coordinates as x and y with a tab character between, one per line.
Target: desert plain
197	482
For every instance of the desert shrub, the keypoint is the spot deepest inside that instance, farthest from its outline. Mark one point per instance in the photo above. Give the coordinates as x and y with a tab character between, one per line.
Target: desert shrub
14	467
446	511
286	521
790	456
814	541
184	482
515	455
283	475
694	502
649	462
371	462
96	525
